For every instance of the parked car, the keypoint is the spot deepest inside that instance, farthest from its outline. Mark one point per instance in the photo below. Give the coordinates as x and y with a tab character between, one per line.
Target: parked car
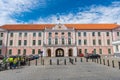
91	56
1	57
81	55
36	56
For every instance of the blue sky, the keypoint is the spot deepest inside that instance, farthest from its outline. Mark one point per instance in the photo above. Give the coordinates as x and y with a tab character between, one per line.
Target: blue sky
69	11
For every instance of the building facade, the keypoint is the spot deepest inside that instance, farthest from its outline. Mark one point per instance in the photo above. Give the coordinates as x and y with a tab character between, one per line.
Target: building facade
58	40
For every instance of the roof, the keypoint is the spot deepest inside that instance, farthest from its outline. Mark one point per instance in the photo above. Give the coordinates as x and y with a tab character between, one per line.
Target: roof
75	26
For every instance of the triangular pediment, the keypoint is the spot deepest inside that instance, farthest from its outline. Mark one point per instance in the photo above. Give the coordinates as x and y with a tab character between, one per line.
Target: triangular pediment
59	27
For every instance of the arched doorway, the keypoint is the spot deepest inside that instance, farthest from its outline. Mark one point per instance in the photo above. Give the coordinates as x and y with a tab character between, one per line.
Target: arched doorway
70	52
49	52
59	52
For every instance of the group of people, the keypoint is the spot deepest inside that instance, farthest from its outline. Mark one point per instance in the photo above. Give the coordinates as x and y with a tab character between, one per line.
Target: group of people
15	61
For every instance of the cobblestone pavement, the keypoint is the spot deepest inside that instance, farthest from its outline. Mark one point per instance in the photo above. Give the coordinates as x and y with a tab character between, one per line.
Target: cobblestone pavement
78	71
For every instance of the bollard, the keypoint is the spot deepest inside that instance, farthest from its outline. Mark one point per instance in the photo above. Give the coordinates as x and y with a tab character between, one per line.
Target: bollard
92	59
69	59
6	66
72	61
97	60
36	62
86	59
113	64
119	64
29	62
75	59
104	61
50	62
57	61
43	62
81	60
108	62
100	61
65	61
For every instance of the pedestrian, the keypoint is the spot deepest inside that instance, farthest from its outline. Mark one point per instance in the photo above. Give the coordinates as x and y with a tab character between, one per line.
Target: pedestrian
15	62
10	60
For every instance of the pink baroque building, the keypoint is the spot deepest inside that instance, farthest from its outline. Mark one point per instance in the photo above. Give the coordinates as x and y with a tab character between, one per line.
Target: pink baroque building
58	40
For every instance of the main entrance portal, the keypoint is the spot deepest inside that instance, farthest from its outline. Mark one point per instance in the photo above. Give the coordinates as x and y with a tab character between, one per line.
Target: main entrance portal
59	52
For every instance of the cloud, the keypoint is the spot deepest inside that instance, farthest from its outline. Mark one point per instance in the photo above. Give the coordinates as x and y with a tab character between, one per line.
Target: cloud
95	14
9	8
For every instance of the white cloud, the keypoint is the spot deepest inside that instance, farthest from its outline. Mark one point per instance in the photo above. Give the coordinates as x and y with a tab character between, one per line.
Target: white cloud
11	7
95	14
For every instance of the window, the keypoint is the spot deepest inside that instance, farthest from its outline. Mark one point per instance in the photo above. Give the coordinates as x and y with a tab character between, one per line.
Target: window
99	42
93	33
34	43
85	42
11	42
33	51
25	42
24	52
69	34
94	42
56	33
109	51
10	51
99	34
108	42
20	34
107	34
79	33
69	40
49	41
39	42
11	34
85	51
56	40
94	51
63	41
0	42
34	34
117	48
25	34
50	34
118	34
84	33
100	51
63	33
0	51
80	51
39	34
79	42
19	51
39	51
19	42
1	34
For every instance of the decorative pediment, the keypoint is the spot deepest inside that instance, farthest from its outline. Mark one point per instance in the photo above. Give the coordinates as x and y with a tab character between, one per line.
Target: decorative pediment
59	27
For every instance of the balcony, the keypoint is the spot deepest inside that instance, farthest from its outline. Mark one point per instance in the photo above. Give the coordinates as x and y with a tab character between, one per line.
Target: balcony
59	45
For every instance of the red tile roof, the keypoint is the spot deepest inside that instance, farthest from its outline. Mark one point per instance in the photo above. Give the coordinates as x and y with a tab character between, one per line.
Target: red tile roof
75	26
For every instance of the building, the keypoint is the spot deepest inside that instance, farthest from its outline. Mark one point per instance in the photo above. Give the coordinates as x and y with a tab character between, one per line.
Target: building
116	43
58	40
